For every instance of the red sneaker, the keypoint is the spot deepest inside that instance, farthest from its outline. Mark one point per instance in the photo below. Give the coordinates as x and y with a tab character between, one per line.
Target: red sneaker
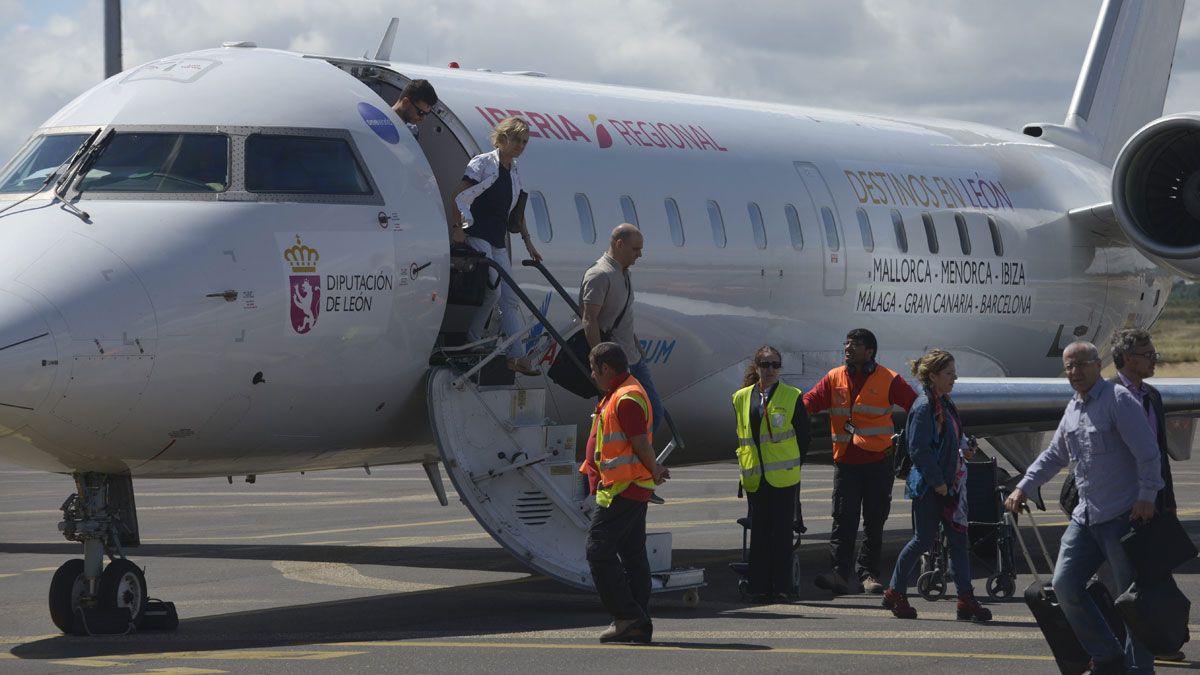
898	603
969	609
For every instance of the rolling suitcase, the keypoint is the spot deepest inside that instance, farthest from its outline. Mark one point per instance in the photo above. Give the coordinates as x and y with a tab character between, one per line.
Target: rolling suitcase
1070	656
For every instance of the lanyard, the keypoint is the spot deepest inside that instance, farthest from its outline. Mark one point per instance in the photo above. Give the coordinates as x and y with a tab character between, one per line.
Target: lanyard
766	398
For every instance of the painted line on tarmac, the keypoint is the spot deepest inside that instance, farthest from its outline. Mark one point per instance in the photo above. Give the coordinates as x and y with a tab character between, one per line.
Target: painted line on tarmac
252	505
808	608
22	639
127	660
340	530
700	648
590	633
424	541
233	493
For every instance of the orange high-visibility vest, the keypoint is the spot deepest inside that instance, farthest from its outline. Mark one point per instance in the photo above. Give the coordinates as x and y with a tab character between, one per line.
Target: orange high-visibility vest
619	465
870	412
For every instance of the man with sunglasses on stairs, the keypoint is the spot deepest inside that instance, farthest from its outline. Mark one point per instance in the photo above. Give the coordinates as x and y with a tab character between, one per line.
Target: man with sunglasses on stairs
415	102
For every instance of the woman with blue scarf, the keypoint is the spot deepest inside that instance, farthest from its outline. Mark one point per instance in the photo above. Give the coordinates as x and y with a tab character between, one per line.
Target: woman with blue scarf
937	486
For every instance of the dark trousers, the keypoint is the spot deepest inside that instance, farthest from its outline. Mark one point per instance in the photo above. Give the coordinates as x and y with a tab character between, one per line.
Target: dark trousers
616	553
865	489
772	513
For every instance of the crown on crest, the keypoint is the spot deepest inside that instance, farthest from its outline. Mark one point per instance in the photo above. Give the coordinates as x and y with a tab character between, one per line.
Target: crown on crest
302	258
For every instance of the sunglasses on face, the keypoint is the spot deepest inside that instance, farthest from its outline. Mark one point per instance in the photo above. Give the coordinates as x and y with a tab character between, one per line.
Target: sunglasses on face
770	364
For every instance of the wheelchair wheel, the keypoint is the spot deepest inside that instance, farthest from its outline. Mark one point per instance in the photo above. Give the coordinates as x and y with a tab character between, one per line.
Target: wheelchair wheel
931	585
743	586
1001	586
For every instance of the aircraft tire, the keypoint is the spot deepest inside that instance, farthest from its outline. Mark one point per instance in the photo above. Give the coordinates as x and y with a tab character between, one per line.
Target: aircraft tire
124	585
66	588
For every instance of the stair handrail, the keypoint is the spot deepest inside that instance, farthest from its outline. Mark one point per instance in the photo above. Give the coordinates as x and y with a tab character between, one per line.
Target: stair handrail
504	276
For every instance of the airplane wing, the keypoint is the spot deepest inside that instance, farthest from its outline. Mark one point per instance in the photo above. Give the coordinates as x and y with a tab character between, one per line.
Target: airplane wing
1017	416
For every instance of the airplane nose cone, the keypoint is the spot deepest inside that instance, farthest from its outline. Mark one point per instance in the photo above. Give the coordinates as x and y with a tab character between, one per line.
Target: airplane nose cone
28	361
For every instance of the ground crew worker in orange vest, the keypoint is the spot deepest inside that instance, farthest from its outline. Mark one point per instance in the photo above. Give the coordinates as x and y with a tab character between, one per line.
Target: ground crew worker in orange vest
859	397
622	472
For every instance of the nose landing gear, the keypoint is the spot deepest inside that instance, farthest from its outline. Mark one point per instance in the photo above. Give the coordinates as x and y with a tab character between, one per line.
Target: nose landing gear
86	596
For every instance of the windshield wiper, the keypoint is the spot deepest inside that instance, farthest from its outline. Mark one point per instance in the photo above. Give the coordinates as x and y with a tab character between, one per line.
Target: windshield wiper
58	170
73	177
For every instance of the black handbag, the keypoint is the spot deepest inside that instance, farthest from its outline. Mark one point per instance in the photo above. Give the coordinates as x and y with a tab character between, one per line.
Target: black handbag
1158	546
1157	613
563	371
1068	498
517	216
565	374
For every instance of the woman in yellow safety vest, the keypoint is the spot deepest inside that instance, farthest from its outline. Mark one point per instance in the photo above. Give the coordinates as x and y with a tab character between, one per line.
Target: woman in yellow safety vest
773	435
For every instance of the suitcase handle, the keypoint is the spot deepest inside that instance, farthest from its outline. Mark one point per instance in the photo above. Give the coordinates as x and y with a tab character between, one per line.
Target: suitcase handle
1011	521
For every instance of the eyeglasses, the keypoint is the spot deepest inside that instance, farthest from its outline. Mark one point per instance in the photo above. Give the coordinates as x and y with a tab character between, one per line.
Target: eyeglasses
1076	365
770	364
1150	356
422	113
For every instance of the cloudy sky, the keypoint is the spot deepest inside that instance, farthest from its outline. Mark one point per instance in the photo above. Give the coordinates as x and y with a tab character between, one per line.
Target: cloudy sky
1003	63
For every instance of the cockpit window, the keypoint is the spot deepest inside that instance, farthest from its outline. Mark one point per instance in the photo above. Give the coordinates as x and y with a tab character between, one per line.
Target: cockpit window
303	165
39	158
161	162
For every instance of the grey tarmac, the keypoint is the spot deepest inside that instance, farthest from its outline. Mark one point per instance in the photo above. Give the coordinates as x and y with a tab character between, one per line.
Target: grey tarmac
344	572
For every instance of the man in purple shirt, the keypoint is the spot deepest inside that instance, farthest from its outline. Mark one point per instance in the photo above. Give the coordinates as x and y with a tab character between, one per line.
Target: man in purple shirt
1135	358
1104	431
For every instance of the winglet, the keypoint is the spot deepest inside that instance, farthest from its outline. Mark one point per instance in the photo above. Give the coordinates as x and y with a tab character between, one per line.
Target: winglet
384	53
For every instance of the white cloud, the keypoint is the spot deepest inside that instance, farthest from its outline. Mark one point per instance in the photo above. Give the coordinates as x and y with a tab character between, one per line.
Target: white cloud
1000	63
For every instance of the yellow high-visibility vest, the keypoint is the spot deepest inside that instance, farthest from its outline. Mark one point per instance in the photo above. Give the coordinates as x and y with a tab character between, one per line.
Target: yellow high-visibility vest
777	456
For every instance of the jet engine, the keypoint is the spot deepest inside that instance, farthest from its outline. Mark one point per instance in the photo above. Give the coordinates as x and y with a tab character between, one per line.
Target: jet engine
1156	192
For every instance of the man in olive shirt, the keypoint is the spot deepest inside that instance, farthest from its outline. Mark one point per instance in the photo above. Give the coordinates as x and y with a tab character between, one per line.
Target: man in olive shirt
606	299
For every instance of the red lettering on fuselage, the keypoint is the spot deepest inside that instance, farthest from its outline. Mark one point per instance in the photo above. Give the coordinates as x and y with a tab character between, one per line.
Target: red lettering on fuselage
642	133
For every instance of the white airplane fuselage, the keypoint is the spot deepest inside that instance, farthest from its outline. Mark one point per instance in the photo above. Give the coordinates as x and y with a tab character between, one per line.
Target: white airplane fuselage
122	359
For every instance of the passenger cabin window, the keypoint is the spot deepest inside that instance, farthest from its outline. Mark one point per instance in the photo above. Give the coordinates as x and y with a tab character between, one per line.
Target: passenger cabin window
964	236
38	159
930	232
901	234
756	225
717	223
587	226
303	165
864	228
793	220
161	162
541	216
628	211
831	232
997	242
674	221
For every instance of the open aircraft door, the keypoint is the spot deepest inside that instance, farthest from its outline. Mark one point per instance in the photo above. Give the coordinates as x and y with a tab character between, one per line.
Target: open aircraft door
517	473
822	210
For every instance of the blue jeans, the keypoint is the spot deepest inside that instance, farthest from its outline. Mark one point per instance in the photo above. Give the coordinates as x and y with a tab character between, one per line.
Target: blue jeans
642	372
1083	549
926	516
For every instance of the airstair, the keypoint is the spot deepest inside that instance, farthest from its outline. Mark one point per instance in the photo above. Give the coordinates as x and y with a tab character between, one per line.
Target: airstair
516	470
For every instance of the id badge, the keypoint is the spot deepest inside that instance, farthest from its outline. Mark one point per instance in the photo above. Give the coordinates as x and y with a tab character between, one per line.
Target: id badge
849	427
776	420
